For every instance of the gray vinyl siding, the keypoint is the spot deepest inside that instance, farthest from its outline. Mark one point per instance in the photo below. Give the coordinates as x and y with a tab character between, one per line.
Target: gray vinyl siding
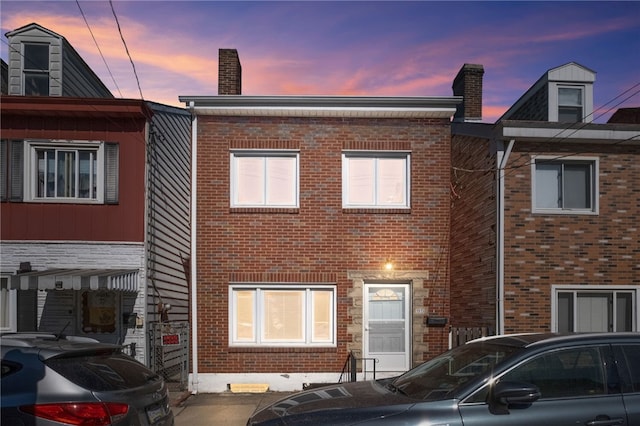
80	80
69	75
168	221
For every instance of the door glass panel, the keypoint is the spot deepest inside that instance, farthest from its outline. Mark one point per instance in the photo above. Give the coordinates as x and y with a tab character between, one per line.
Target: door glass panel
386	319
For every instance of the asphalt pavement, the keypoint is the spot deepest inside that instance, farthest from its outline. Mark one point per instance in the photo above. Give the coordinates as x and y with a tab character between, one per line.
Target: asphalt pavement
224	409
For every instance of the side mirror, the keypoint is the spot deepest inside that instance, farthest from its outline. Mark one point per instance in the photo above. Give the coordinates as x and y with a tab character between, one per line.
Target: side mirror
505	394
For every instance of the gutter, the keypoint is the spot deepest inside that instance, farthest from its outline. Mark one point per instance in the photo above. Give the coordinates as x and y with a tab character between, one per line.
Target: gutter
194	233
503	159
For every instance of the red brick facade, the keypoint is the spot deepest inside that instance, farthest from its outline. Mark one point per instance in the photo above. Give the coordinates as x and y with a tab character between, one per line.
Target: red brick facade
540	250
319	242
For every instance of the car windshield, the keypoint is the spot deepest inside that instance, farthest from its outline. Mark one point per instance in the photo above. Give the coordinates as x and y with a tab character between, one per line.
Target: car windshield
439	377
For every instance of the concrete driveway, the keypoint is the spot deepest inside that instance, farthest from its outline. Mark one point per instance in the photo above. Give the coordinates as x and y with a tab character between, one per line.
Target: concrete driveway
224	409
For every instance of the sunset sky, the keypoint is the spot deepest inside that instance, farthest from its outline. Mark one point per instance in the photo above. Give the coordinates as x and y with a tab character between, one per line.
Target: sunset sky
362	48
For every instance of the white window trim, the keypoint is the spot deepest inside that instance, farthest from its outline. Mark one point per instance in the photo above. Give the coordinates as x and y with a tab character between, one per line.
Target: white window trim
555	289
376	154
587	100
13	307
263	153
31	169
24	70
595	180
258	310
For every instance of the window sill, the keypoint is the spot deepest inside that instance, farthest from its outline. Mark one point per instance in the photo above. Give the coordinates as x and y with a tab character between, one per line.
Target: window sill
349	210
565	212
270	210
287	349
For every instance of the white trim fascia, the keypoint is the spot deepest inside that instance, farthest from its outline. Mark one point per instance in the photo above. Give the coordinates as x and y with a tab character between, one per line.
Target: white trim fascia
328	112
324	106
621	137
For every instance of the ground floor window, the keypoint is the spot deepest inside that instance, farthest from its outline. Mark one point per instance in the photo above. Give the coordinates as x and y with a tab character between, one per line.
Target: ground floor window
282	316
595	309
8	304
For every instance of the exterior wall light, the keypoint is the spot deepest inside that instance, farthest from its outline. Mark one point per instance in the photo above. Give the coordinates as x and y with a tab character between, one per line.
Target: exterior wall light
388	265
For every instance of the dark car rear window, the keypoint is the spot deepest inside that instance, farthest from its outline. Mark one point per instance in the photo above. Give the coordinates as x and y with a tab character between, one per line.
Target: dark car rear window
103	372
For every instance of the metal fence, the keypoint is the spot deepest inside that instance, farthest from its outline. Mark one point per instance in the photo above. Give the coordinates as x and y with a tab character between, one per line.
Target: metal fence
169	352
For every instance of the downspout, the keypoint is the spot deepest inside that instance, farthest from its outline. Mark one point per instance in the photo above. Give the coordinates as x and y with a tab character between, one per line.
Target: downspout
194	233
503	159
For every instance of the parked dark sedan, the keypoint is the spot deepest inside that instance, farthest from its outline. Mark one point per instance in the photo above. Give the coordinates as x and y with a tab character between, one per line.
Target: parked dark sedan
53	380
529	379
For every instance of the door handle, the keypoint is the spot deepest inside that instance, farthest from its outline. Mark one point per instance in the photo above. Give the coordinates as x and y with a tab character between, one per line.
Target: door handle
604	421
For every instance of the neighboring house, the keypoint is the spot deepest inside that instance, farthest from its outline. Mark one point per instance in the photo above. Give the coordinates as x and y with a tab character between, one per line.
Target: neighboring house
95	200
299	203
544	228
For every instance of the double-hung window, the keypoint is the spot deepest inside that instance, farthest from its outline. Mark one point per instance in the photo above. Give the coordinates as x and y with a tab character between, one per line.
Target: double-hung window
595	309
36	69
375	179
63	171
272	315
570	105
264	179
567	185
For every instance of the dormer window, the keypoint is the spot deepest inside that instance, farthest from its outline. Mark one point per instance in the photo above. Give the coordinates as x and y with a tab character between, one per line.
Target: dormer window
570	105
36	69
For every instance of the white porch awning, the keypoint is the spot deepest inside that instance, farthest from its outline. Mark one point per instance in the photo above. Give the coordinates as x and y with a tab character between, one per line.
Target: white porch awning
77	279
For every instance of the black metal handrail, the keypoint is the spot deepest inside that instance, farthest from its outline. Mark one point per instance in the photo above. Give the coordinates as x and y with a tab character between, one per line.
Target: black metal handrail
350	368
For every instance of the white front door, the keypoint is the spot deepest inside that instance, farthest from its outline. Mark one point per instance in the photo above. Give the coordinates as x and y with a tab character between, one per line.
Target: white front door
387	326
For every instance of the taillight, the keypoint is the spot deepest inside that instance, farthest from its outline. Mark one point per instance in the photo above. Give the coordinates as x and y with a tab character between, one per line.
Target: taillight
79	413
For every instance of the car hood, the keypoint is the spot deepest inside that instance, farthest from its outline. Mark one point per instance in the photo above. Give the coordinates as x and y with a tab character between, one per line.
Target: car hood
357	401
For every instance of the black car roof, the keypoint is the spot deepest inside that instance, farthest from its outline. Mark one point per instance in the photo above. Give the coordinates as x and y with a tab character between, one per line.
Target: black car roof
538	339
48	346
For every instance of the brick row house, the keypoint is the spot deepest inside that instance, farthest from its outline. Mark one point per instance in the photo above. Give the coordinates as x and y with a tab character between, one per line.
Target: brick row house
94	200
300	202
544	225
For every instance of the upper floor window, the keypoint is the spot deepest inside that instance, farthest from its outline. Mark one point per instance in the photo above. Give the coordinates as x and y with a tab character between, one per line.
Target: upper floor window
264	179
375	179
36	69
282	316
565	185
64	171
570	104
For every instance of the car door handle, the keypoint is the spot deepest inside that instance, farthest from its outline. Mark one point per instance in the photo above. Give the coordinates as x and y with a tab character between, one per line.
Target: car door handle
604	421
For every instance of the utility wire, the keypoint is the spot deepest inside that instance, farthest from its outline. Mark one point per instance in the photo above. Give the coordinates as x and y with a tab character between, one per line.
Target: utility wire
98	47
126	48
557	137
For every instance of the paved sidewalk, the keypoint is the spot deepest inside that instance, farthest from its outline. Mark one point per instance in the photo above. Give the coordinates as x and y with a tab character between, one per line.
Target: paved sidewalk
225	409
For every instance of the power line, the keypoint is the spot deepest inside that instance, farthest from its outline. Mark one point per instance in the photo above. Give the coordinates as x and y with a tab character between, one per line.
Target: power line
557	137
126	48
98	47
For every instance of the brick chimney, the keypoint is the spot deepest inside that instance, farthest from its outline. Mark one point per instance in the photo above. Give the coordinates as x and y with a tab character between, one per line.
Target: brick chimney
229	72
468	83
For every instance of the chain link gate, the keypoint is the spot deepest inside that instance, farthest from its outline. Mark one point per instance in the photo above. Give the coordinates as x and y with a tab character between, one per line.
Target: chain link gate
169	352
